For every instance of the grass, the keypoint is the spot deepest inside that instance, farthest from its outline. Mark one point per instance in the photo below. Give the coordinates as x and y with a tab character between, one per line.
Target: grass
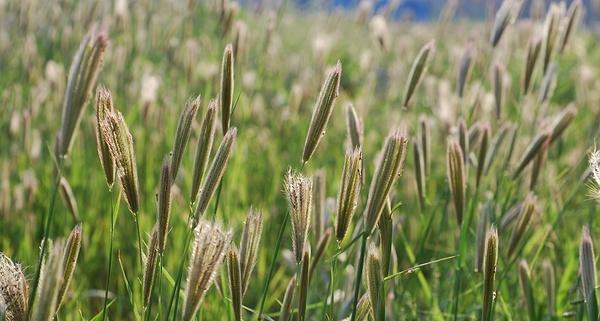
160	55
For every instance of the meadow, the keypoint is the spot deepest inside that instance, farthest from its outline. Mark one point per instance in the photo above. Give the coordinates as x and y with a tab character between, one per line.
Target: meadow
183	160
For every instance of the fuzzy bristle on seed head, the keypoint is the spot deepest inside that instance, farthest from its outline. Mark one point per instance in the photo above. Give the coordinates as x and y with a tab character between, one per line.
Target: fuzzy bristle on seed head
594	162
210	245
104	106
249	246
226	95
457	178
204	147
84	71
322	111
388	169
13	289
120	143
349	189
215	172
490	260
298	189
182	134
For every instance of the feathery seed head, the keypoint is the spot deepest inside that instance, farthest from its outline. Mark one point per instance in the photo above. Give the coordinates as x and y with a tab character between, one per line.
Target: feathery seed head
418	69
389	168
490	261
120	143
104	106
226	96
215	172
298	189
549	276
594	162
71	253
348	193
457	177
13	289
182	135
205	142
210	245
249	246
322	111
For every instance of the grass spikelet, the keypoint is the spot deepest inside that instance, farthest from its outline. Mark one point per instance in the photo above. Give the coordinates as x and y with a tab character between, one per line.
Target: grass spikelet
551	28
205	142
374	280
562	121
490	261
355	127
388	169
182	135
506	15
210	245
51	277
150	265
104	106
569	24
303	286
364	310
526	287
497	84
84	71
249	246
531	151
215	172
385	226
298	189
288	298
226	95
418	69
536	168
318	202
533	52
13	289
322	111
548	84
587	269
348	193
120	144
549	276
419	173
235	279
457	178
69	198
594	163
464	68
528	209
164	205
483	149
71	253
495	146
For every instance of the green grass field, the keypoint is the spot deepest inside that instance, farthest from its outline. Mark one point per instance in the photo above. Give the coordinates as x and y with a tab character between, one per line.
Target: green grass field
419	262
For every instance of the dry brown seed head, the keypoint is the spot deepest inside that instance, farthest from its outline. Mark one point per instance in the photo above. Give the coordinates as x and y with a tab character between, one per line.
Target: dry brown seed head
104	106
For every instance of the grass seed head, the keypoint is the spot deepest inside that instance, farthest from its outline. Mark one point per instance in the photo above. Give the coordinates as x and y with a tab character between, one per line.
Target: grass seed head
528	208
490	260
419	172
104	106
322	111
288	298
531	151
210	245
235	282
318	201
215	172
164	204
355	127
249	246
418	69
66	192
205	142
569	24
348	193
533	52
457	177
587	269
51	277
182	134
388	169
226	95
483	149
304	283
150	265
298	189
374	278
